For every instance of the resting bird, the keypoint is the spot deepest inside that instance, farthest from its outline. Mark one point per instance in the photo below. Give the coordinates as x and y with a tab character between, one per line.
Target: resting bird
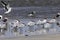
31	14
6	7
58	15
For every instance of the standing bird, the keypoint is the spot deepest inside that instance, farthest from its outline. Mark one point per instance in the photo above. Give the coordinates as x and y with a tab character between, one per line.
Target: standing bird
58	15
32	14
6	7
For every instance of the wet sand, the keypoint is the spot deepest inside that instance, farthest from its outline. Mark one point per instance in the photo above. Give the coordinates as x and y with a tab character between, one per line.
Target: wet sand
39	37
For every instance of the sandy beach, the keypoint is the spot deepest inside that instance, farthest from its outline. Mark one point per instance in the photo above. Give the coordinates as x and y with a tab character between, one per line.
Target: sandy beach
39	37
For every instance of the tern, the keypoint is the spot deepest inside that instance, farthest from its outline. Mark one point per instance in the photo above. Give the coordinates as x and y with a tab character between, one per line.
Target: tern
32	14
6	7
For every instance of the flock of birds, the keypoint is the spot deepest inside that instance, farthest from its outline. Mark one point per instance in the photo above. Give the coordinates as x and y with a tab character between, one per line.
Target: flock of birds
16	24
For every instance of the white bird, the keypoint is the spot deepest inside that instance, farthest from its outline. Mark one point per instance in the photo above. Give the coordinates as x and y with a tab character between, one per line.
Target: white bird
15	23
52	21
30	23
47	25
44	21
6	7
39	22
32	14
21	25
9	10
58	15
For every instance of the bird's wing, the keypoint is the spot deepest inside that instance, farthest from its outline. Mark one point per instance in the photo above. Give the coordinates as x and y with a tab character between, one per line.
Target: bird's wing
9	10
